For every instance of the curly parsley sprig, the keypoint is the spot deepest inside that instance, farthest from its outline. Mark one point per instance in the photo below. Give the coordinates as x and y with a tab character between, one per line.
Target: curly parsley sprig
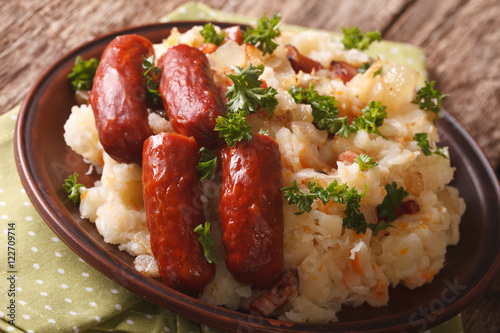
72	187
324	110
355	39
338	193
152	73
211	36
207	242
246	95
206	164
429	99
365	162
392	200
264	33
82	74
371	119
423	143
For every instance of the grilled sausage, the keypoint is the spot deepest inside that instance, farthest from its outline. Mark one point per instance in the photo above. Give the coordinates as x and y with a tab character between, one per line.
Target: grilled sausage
189	94
343	71
251	210
118	98
173	210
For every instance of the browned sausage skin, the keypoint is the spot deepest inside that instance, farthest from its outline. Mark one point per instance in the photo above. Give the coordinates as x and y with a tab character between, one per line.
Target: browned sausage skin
172	193
251	210
118	98
189	94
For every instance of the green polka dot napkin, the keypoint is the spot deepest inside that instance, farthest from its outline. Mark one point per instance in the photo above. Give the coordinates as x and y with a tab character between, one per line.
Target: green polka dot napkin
48	288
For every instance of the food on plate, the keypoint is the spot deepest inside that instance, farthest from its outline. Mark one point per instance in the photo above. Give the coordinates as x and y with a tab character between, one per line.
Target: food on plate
118	98
320	184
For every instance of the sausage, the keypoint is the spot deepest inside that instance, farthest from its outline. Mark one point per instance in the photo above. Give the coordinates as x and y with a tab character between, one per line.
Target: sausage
189	94
300	62
118	98
173	206
251	210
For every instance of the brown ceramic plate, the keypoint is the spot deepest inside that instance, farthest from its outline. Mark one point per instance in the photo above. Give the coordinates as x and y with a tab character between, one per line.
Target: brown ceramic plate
44	161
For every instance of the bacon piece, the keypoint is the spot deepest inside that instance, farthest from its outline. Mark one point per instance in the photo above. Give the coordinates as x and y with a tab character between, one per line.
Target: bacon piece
407	207
343	71
277	296
348	157
234	33
300	62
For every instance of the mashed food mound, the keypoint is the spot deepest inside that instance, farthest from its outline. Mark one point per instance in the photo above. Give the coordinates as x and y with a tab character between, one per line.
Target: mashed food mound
335	265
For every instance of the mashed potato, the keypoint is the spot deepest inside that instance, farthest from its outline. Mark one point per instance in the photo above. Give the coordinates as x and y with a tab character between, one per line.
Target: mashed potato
336	265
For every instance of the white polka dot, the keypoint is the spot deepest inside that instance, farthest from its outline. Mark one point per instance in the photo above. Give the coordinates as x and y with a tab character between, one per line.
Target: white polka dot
10	328
31	233
55	239
73	313
39	281
206	328
29	218
65	286
1	314
394	50
114	291
5	217
183	10
68	300
167	329
85	274
80	259
52	321
26	203
34	249
30	331
58	254
130	322
43	293
60	270
1	190
27	317
93	303
118	306
19	289
98	319
2	203
22	190
22	302
212	14
75	329
48	307
36	266
202	15
410	61
149	316
89	289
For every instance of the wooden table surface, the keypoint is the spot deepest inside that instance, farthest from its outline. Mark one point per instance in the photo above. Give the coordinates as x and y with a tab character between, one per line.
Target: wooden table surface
461	39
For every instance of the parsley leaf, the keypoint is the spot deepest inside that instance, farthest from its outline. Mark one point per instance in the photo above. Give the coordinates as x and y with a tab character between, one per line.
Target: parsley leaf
324	110
207	242
423	143
211	36
262	36
429	99
234	128
152	73
354	38
392	200
247	93
372	118
341	194
82	74
207	163
72	187
365	162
